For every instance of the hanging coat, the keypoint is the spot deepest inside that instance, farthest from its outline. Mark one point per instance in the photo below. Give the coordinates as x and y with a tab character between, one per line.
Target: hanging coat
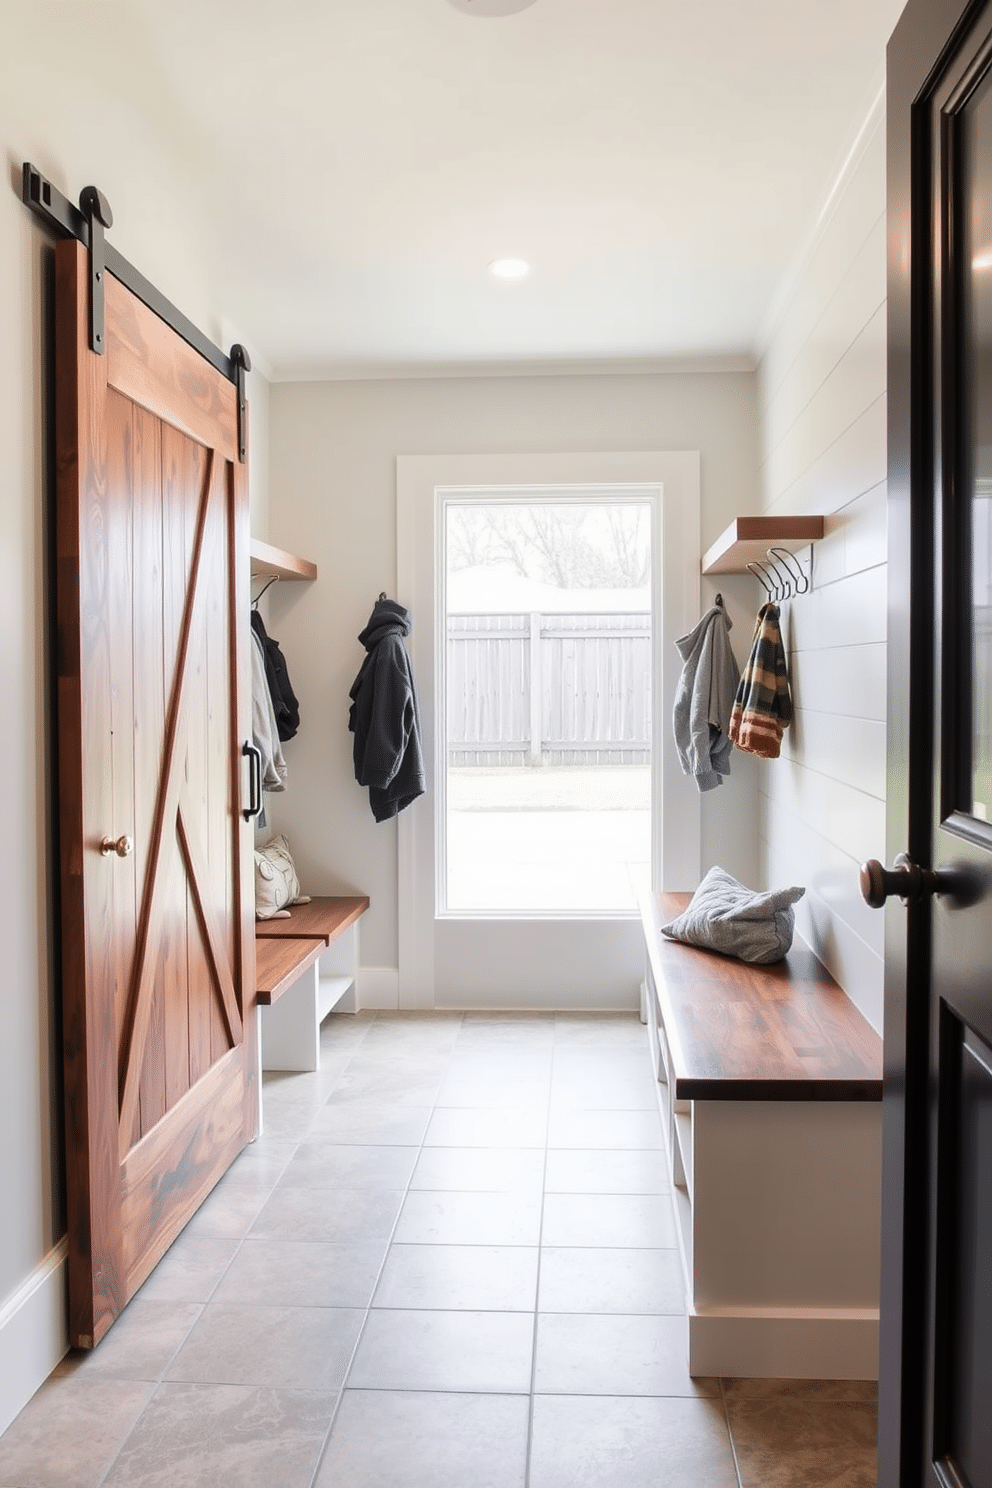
763	705
284	704
704	699
385	715
263	723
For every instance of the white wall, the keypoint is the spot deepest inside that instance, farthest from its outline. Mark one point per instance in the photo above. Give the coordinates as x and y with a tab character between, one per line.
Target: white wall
333	484
823	449
52	114
259	399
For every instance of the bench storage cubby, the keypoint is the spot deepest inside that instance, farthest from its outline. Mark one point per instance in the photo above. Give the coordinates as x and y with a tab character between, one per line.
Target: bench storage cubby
305	966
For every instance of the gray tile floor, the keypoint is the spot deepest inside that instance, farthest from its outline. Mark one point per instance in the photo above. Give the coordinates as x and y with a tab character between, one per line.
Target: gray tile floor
448	1263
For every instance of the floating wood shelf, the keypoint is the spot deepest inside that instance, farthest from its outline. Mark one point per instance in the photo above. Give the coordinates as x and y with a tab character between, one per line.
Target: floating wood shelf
269	562
748	539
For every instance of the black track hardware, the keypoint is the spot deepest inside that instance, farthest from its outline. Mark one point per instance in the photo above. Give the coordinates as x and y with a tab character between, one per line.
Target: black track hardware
96	209
241	362
87	223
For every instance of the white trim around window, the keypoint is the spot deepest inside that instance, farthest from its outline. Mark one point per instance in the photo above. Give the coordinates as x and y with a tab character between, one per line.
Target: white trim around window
421	481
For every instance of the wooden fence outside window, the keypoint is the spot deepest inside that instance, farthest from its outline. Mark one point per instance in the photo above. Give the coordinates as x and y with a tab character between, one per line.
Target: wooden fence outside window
549	689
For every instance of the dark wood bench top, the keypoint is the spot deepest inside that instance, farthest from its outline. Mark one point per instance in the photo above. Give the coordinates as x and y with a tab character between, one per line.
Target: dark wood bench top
741	1032
323	919
279	961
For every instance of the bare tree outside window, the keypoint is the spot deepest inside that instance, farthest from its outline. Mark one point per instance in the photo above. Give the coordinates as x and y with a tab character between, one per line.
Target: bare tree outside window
601	546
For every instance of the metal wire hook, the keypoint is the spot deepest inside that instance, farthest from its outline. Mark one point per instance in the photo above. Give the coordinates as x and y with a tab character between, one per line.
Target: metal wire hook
273	580
772	592
784	578
797	575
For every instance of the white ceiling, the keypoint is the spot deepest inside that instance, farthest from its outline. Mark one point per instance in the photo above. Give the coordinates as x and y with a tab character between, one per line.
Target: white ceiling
661	163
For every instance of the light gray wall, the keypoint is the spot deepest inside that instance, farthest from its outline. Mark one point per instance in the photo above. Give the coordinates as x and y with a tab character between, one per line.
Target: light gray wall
333	483
53	112
823	449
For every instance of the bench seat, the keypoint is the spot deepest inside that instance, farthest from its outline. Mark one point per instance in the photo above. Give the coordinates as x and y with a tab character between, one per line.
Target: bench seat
769	1088
305	965
279	962
742	1032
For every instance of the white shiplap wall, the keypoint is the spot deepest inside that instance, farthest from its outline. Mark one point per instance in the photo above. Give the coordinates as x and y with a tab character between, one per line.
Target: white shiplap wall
821	389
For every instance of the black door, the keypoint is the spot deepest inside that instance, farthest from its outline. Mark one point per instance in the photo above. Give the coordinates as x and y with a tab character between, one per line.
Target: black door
936	1366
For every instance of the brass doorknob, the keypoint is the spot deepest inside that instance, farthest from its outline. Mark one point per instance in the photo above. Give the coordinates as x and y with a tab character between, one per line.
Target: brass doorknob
905	878
122	846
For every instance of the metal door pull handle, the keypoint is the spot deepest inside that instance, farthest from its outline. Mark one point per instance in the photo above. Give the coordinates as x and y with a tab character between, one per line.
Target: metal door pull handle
122	846
254	757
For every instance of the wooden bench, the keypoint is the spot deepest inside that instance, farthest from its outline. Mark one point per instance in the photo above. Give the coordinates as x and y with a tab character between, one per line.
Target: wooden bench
305	966
769	1086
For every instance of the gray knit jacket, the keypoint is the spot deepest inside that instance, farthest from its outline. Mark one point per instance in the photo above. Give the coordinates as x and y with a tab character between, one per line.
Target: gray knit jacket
385	715
704	699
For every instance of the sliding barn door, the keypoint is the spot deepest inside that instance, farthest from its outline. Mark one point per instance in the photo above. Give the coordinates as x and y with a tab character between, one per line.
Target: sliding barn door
157	933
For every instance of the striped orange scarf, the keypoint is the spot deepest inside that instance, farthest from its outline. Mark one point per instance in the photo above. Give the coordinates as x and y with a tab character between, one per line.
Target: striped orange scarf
762	709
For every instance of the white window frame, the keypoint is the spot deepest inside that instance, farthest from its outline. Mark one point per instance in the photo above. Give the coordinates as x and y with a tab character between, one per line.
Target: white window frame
423	483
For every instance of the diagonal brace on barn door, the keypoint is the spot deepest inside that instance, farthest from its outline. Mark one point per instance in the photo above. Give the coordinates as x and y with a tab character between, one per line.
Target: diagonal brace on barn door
165	818
196	867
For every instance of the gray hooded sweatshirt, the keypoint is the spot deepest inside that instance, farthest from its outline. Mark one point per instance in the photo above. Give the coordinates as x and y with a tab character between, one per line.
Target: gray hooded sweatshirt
704	699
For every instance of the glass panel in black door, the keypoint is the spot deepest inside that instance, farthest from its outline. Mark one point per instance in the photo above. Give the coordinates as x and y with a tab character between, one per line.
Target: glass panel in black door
969	1422
960	1325
974	793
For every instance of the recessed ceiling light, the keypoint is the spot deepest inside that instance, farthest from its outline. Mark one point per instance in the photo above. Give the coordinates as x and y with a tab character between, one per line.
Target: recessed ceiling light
491	7
509	268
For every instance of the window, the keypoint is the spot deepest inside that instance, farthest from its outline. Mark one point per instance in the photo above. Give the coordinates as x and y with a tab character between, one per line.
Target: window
547	717
555	959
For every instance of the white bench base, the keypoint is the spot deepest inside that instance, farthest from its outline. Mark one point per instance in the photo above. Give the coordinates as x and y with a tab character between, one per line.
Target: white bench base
289	1036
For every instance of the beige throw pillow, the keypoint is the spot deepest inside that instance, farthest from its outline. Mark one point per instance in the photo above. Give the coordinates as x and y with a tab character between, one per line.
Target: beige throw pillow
276	883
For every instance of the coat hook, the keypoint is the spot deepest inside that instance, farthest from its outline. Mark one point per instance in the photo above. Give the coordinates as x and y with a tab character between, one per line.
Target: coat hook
762	577
797	575
273	580
783	577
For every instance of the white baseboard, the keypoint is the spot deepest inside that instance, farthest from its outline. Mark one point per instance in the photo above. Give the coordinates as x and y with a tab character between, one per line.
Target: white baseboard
378	990
378	987
34	1333
791	1344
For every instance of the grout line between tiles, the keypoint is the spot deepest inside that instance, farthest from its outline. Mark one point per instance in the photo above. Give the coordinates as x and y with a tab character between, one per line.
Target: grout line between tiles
540	1253
730	1434
162	1380
368	1310
450	1056
157	1387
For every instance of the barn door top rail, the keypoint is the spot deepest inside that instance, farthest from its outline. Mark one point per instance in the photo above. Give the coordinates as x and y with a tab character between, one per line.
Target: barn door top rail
87	223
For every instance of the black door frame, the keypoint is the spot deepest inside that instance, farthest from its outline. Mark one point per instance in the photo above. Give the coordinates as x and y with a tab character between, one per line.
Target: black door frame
927	34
